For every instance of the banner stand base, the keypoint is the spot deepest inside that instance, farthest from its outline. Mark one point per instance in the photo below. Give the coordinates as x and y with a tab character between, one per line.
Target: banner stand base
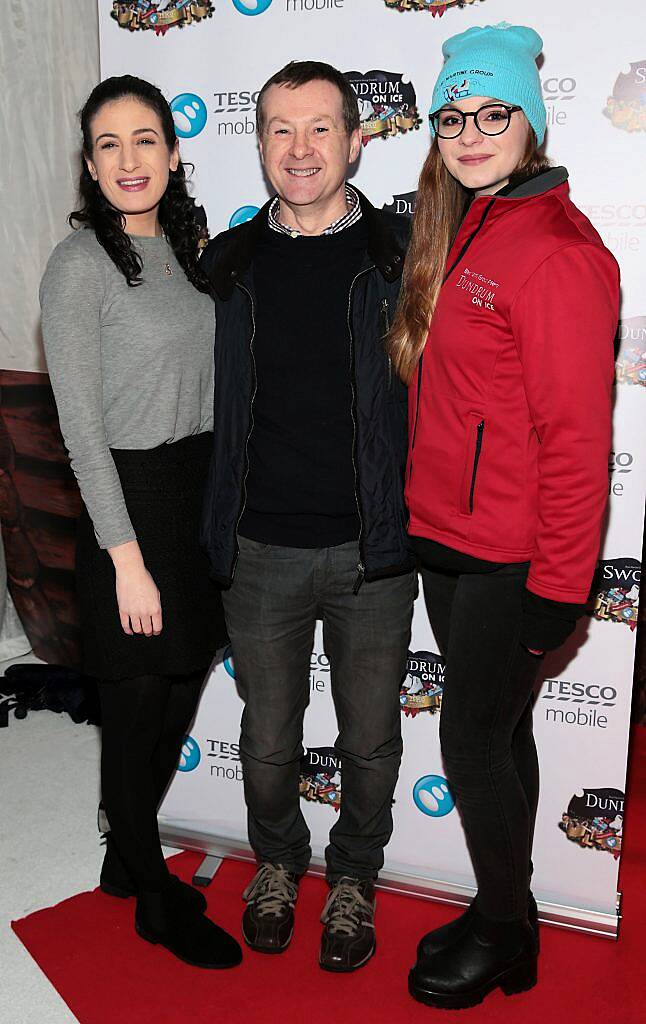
184	837
206	871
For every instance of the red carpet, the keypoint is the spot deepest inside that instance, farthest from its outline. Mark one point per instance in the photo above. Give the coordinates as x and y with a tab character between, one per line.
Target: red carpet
89	951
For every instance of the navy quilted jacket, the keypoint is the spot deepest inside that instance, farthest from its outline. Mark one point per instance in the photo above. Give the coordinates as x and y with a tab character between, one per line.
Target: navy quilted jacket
379	402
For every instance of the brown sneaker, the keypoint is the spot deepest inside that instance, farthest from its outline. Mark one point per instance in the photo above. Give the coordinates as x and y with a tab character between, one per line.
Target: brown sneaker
348	939
268	921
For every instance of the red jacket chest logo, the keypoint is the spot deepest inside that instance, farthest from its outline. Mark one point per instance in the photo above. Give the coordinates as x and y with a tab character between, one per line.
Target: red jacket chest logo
479	288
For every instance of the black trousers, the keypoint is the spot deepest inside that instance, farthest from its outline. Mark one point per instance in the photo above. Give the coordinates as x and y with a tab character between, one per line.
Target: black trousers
145	720
486	727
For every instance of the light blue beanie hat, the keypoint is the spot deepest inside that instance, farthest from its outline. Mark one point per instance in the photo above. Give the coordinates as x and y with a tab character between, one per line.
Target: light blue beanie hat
497	61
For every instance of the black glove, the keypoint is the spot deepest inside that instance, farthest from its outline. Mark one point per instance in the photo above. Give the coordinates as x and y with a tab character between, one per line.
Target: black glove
546	624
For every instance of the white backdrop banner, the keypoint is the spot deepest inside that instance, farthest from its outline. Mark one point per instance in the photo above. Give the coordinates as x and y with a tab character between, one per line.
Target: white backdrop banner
210	59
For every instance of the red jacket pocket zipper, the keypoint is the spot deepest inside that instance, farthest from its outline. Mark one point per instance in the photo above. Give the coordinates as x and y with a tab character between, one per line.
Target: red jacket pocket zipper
476	459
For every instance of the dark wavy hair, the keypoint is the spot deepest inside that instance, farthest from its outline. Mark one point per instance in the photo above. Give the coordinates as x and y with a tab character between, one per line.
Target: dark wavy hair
178	215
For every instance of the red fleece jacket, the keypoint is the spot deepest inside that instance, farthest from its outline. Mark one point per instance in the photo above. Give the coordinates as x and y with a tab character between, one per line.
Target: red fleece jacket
510	412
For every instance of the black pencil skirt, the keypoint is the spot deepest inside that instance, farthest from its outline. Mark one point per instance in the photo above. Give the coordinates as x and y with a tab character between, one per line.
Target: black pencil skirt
163	490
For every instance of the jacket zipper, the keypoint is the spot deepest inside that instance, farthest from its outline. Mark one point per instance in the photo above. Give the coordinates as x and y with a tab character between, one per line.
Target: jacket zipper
462	252
243	496
448	273
385	324
417	413
476	460
361	568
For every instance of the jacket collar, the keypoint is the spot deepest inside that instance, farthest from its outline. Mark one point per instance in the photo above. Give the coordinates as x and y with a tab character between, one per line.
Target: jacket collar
384	248
537	185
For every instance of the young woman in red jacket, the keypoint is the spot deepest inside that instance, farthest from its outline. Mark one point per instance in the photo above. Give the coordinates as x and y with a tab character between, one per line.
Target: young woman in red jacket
510	417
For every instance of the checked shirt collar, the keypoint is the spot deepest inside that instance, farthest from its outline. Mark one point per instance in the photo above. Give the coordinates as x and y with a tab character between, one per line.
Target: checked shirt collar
349	218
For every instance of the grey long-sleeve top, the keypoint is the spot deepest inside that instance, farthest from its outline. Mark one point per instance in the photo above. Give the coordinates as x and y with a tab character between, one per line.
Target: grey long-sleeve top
130	367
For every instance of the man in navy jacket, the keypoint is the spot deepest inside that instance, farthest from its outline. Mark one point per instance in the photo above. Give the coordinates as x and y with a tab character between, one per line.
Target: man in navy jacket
304	515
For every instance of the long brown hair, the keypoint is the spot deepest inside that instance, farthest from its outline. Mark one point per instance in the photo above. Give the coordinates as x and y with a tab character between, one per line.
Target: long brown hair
440	207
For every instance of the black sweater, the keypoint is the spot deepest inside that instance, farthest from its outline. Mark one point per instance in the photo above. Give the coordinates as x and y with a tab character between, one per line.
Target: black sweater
301	481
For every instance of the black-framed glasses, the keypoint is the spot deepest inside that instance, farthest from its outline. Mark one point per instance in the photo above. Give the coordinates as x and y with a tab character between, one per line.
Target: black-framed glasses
490	119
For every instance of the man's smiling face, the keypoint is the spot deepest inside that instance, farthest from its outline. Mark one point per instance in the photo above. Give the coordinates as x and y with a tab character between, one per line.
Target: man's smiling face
305	146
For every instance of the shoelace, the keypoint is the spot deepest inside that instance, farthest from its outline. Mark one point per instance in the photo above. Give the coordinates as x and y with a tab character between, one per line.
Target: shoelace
343	910
270	890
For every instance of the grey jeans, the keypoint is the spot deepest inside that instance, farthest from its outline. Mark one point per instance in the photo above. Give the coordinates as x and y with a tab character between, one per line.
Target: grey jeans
271	610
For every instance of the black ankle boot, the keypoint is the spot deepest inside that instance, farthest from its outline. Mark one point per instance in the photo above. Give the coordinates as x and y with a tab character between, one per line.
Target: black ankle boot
444	936
116	880
488	955
162	918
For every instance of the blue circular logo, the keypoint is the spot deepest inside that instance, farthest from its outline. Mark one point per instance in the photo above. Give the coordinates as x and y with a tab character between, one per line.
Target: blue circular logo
190	755
242	215
228	662
432	796
251	7
189	115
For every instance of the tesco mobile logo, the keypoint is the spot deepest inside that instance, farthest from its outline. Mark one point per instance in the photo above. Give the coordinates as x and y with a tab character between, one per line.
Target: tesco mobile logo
432	796
242	215
251	7
189	114
190	755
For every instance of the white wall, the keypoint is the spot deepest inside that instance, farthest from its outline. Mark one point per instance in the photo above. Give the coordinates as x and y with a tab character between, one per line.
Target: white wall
49	62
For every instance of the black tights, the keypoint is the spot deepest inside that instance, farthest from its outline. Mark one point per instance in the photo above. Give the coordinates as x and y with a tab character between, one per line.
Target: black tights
144	723
486	727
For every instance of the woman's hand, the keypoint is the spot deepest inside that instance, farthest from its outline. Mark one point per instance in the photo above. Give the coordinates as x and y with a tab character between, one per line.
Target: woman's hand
137	594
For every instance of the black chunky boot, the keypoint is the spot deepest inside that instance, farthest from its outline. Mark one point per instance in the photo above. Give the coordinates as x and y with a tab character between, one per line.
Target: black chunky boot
487	956
444	936
115	879
162	918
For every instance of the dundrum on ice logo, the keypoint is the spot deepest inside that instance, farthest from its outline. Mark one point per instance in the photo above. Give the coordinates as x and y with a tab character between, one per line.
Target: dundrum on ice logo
320	779
436	7
630	367
616	590
626	108
160	15
387	104
595	820
421	689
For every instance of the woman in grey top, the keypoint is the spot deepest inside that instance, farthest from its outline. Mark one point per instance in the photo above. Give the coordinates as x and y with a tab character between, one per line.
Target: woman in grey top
128	324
